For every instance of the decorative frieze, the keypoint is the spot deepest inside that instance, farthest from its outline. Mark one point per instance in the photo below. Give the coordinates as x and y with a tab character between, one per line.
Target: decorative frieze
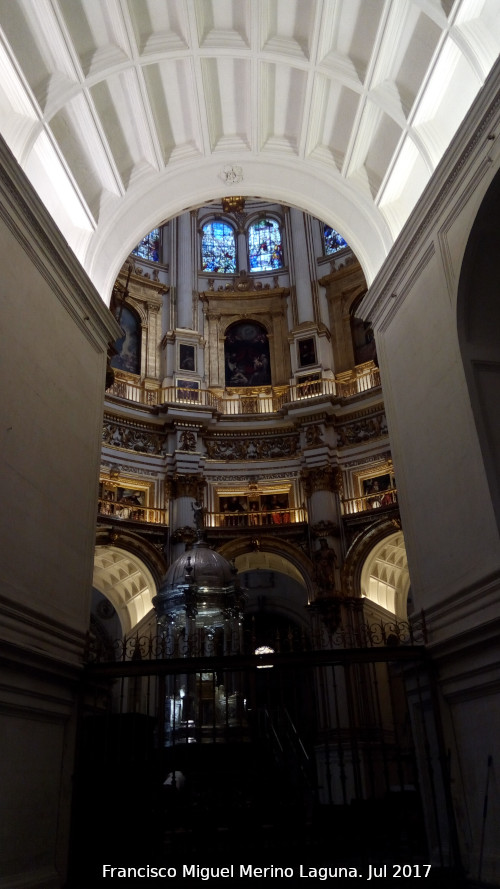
252	448
133	438
362	429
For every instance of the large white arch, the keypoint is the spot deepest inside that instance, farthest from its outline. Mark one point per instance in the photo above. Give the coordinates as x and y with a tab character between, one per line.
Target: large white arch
126	581
124	114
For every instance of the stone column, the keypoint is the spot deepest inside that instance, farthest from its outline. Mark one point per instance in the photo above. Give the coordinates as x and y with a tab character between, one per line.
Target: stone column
184	277
300	258
321	486
182	491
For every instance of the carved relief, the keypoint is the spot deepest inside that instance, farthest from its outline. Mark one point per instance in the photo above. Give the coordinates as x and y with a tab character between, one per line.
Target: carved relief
252	449
187	440
139	439
362	430
314	436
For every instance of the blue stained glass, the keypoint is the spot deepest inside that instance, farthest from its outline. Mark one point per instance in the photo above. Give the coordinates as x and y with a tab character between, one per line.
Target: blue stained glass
265	250
218	248
149	247
333	241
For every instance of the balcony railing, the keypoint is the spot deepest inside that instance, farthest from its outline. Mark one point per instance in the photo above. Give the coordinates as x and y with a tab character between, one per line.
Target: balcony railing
265	400
369	502
256	518
129	513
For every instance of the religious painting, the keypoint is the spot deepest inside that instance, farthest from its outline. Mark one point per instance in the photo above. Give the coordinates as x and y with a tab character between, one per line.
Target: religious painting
128	346
188	390
130	496
275	509
233	511
307	352
187	357
363	341
246	353
376	491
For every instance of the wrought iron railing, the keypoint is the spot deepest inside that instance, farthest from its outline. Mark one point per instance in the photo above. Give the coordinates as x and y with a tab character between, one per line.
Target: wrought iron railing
205	643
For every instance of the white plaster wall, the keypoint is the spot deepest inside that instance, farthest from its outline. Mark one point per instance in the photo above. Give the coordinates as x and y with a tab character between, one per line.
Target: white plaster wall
52	367
51	447
447	515
450	528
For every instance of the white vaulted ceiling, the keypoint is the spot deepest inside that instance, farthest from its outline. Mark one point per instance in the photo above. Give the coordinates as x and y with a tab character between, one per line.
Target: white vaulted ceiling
125	112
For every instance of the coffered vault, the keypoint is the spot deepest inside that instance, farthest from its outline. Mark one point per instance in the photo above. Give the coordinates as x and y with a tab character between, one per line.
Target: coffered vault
126	112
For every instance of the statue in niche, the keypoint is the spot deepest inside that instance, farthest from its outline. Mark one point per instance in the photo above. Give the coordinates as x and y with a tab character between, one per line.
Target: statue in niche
198	514
325	561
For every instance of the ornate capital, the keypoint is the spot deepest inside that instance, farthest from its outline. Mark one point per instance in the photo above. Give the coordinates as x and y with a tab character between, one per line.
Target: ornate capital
187	486
321	478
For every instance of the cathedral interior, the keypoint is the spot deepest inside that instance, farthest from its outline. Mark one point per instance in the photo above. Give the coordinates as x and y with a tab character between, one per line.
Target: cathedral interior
250	559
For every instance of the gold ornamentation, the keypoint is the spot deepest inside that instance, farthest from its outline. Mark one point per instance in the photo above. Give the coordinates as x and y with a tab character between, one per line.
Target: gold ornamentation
233	204
188	486
321	478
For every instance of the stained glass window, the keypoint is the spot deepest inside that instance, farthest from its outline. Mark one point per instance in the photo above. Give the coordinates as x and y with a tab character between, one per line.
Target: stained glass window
218	248
332	240
149	247
265	250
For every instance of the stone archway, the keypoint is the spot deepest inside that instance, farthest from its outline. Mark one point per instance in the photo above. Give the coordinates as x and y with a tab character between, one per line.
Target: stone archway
126	581
376	567
478	318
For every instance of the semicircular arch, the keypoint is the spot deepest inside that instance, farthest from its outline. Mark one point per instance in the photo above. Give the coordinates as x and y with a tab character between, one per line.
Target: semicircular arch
124	579
376	567
273	555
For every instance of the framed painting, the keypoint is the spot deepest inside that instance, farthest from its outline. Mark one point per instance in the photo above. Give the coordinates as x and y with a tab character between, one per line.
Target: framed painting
187	357
307	352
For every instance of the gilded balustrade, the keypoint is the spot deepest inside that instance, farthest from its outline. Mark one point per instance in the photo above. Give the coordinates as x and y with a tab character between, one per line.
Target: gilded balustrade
255	518
132	513
369	502
236	401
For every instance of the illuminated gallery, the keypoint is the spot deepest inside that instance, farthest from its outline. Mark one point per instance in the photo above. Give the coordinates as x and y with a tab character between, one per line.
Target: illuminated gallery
250	434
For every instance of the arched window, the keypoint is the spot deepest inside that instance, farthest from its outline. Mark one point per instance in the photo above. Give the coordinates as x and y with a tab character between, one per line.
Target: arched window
332	241
149	247
128	347
246	352
218	248
265	250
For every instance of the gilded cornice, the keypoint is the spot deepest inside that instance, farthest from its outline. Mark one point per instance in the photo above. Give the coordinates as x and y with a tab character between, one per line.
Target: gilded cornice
143	281
347	269
228	293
